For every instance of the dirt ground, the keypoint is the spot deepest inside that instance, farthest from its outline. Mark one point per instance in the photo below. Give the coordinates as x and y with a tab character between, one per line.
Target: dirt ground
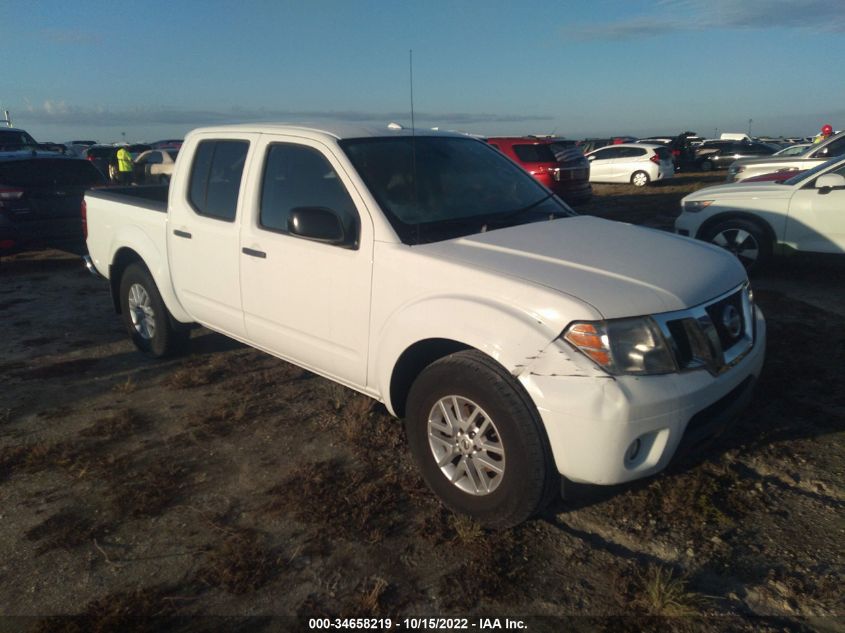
228	483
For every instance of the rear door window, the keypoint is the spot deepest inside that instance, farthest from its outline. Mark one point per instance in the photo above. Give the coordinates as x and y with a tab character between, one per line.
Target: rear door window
216	178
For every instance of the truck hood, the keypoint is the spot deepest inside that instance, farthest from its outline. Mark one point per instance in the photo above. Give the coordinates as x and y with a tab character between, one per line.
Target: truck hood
620	269
743	190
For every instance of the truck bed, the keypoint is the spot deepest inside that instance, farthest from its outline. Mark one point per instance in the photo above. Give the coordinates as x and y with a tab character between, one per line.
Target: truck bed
117	212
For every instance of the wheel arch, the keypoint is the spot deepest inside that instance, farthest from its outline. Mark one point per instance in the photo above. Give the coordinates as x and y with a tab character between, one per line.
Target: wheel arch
138	248
412	362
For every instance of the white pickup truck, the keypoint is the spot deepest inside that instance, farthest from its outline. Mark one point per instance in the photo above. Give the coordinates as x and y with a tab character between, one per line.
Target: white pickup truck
520	341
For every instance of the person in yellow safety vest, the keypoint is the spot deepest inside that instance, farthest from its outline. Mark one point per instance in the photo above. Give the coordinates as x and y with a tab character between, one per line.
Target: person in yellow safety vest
124	167
827	130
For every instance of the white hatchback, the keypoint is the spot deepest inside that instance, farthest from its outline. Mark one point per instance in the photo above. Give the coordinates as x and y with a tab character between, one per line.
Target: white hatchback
635	163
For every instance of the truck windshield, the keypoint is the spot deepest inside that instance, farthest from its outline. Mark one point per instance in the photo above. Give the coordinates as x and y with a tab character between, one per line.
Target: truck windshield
436	188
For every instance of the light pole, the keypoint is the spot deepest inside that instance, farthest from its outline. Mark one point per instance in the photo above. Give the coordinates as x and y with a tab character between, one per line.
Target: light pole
749	126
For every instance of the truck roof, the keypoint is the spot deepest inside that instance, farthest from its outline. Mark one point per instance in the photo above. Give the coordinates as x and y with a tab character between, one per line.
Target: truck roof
334	130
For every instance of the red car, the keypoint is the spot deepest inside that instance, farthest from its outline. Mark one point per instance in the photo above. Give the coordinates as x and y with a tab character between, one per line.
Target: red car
777	176
557	164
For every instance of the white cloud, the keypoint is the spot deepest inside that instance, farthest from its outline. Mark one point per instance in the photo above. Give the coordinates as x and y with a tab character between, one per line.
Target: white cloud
700	15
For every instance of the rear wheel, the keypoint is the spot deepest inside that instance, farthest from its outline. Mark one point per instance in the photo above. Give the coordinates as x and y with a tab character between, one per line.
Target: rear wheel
640	179
706	165
479	441
149	324
743	238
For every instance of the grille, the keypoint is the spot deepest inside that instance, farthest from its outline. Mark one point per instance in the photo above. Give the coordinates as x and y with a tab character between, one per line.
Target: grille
715	335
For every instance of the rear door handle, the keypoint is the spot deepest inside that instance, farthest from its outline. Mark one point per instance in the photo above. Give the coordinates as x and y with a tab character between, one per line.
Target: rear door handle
179	233
254	253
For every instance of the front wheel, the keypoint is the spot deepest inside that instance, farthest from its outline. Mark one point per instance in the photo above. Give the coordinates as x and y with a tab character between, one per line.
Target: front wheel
149	324
640	179
744	239
478	440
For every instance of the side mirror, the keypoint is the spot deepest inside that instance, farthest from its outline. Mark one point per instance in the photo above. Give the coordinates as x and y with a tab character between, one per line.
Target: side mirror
316	223
830	181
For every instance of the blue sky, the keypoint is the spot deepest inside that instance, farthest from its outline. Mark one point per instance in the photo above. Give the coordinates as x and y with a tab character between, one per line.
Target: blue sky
154	69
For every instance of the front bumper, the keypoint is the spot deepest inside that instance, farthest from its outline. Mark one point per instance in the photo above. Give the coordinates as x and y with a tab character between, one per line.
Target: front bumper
595	422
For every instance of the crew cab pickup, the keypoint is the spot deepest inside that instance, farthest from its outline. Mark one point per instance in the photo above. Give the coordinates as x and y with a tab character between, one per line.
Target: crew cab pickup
520	341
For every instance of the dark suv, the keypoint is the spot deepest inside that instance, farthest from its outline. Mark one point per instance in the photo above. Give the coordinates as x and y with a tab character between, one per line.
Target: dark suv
40	200
720	154
557	164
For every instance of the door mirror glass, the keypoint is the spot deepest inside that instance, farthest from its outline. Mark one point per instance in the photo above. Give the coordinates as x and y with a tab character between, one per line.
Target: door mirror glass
316	223
830	181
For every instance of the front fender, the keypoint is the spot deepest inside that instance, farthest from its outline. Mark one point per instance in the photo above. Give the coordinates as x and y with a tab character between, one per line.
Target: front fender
511	336
134	238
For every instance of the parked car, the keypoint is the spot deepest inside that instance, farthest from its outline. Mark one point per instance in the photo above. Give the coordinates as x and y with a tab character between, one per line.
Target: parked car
104	158
755	221
40	196
154	166
519	341
638	164
777	176
173	143
815	155
15	139
561	168
720	154
793	150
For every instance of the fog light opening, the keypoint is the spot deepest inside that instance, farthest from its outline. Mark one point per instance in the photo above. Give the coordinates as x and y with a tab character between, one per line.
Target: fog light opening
633	451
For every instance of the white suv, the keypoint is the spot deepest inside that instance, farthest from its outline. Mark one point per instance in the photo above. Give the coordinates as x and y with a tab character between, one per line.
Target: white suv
635	163
754	221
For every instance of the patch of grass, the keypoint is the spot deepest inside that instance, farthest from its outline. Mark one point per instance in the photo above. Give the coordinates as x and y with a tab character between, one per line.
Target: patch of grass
497	564
665	594
240	563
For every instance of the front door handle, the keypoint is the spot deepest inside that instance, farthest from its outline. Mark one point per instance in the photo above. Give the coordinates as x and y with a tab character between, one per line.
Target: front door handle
179	233
254	253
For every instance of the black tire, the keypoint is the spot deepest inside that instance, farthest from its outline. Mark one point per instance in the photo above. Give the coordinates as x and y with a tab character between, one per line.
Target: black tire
167	337
529	480
706	165
640	178
742	237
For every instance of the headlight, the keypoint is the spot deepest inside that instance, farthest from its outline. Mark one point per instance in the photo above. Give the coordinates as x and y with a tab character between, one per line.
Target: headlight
694	206
623	346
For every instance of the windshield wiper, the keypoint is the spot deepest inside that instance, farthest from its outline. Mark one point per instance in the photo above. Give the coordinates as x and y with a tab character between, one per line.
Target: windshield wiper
512	214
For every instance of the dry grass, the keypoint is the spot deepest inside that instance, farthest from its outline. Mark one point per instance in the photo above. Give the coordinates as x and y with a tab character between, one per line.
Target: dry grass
370	598
665	594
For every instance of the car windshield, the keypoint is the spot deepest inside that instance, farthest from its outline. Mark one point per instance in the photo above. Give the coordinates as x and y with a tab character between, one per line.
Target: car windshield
436	188
812	173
